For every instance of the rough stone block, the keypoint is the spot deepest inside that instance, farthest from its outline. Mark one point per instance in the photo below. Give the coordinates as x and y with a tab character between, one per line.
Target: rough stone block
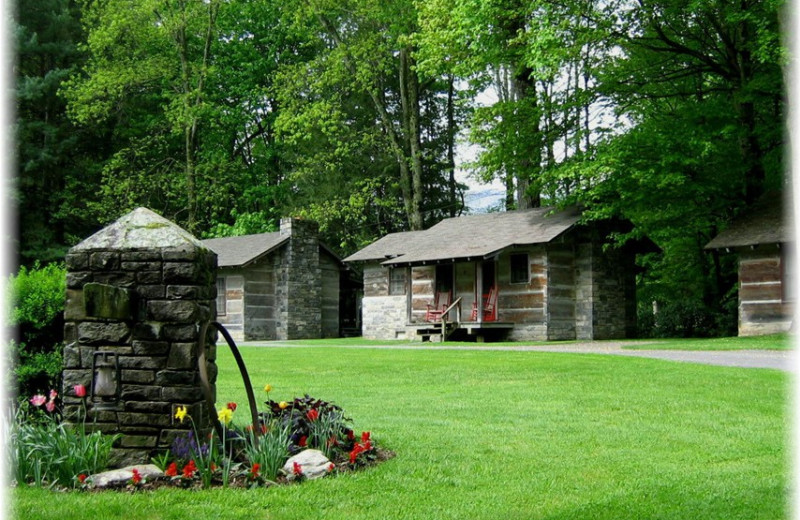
72	356
181	394
142	362
73	306
104	261
70	332
77	279
141	266
72	377
91	333
181	356
150	348
138	376
148	278
176	377
150	292
147	331
151	419
181	272
182	253
117	278
177	311
190	292
77	261
140	393
158	407
180	332
144	255
138	441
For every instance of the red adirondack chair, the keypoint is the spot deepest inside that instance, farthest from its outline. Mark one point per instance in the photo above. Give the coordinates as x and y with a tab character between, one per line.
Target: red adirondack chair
489	306
441	301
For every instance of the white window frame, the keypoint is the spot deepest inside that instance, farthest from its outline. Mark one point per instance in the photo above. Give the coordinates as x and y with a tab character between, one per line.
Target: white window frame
222	296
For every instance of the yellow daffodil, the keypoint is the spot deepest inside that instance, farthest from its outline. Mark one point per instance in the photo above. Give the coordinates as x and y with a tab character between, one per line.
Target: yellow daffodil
283	405
181	413
225	416
268	388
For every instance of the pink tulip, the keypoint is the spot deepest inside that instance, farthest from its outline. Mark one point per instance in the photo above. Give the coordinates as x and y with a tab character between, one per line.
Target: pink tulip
50	406
53	395
38	400
80	390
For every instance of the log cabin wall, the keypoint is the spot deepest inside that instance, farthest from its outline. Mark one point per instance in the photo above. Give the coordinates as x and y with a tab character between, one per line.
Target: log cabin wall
249	311
763	308
230	313
259	301
422	291
524	303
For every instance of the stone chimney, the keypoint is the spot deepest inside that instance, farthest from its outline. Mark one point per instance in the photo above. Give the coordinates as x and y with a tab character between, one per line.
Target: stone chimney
299	282
137	294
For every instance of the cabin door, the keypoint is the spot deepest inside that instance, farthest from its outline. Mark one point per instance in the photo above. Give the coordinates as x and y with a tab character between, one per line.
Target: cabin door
485	283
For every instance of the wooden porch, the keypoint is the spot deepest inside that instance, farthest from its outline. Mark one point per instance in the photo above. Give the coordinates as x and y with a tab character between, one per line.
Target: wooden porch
447	323
443	331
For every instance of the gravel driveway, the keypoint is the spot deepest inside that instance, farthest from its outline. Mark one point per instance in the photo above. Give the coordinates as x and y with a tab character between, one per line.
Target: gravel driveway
775	359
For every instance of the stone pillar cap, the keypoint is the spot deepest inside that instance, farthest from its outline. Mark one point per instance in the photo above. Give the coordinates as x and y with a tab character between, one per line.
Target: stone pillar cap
140	229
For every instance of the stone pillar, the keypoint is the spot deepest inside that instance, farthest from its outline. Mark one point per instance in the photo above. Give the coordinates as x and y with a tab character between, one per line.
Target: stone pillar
299	282
137	293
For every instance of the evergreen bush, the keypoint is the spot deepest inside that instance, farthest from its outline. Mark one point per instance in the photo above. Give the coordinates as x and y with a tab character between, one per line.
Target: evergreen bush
36	299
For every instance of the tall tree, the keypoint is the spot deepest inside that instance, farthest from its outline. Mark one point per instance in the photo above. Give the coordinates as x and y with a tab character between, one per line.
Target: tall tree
374	51
54	158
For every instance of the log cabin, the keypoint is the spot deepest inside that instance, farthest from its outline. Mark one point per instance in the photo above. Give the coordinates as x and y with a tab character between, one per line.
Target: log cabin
538	274
281	285
763	238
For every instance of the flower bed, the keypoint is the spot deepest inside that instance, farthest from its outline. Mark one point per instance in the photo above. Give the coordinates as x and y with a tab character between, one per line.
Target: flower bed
239	457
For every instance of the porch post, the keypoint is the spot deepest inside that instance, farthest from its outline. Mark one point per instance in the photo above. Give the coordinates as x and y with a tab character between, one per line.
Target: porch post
479	291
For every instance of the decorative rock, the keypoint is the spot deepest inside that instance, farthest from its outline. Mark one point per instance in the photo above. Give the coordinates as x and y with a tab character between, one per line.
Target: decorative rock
313	462
120	477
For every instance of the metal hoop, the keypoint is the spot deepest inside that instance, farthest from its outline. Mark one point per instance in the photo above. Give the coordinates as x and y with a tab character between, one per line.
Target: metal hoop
206	385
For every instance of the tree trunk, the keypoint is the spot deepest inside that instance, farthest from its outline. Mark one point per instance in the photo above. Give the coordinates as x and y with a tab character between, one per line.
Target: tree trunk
410	177
409	91
451	137
529	155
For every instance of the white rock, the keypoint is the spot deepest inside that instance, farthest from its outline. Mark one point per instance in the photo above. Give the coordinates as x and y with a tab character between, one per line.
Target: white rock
120	477
314	464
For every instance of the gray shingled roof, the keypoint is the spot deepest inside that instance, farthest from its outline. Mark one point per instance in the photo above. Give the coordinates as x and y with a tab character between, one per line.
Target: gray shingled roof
764	223
471	236
242	250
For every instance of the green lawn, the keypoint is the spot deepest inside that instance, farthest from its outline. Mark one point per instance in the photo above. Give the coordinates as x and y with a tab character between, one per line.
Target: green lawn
770	342
498	434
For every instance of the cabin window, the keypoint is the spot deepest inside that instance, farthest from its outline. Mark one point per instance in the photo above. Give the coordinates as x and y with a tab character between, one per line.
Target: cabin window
520	268
221	299
397	281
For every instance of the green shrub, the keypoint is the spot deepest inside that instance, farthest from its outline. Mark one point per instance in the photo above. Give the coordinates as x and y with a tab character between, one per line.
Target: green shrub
36	314
686	319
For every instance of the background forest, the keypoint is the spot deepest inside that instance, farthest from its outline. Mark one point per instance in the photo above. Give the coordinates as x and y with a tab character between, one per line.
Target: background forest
225	115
